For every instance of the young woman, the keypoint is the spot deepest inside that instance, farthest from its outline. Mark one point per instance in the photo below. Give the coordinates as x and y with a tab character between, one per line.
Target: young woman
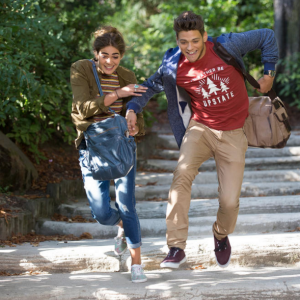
118	85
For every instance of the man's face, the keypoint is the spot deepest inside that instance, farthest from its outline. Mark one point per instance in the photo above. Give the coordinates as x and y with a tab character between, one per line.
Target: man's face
192	44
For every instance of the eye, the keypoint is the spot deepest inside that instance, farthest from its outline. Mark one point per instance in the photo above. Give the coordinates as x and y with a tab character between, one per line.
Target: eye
115	57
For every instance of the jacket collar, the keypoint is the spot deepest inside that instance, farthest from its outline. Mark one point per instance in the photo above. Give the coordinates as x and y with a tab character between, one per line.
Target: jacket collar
171	61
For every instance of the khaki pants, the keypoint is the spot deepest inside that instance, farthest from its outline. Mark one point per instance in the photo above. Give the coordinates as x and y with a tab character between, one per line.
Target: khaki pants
199	144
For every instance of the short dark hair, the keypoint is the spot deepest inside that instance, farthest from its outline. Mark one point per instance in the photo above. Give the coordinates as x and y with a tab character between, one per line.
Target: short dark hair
187	21
108	36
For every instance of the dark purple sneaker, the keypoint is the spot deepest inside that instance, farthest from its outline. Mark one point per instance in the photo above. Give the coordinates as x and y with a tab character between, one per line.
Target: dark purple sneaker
222	252
175	257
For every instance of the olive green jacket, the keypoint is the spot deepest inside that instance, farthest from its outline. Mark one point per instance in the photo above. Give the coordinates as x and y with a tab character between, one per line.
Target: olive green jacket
87	104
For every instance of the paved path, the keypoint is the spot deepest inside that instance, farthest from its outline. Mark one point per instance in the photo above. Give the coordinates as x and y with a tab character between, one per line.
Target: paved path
235	283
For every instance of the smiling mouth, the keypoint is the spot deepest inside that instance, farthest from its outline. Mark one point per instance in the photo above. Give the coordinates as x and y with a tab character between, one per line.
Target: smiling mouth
192	53
109	67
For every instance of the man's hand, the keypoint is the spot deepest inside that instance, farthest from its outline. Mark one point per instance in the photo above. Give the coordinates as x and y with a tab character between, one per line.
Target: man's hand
265	83
131	120
135	131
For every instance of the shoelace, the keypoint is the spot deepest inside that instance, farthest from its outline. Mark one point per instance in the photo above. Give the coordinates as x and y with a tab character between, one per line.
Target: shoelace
173	252
221	246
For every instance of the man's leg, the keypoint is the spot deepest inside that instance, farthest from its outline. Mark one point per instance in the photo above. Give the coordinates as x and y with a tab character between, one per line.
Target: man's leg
230	162
193	152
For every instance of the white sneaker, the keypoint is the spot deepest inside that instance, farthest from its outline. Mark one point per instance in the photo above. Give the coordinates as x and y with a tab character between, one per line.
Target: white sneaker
120	244
137	274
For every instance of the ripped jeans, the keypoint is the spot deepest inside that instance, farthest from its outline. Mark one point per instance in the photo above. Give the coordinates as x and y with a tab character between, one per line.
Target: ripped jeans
99	199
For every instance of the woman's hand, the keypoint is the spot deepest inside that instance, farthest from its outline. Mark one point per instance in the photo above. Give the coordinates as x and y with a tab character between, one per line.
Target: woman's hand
131	90
128	90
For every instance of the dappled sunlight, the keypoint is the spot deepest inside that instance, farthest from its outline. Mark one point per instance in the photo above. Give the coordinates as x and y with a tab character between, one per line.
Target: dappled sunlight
7	250
89	277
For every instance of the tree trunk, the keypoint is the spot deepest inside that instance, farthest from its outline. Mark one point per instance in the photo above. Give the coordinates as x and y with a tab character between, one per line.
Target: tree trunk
287	26
287	32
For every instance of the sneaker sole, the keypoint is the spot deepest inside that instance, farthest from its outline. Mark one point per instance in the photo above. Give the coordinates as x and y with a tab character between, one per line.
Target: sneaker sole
223	266
172	265
140	280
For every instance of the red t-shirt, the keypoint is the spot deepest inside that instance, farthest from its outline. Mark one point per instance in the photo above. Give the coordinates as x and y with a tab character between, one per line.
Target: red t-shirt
217	90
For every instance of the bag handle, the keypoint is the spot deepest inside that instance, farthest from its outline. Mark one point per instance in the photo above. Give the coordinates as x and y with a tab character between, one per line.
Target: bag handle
98	83
230	60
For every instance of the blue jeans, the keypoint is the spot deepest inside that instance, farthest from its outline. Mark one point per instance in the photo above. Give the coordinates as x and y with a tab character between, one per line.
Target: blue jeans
99	199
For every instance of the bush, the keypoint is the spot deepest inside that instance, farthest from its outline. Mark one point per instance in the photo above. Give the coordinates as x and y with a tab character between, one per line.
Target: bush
289	81
33	85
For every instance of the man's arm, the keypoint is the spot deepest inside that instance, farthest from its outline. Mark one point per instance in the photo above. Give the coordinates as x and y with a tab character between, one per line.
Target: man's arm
239	44
136	104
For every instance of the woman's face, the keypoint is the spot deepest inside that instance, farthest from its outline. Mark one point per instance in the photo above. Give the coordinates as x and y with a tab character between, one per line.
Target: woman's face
108	59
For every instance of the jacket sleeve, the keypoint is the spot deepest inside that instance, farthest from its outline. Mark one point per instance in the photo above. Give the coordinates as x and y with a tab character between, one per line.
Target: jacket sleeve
264	39
85	106
154	85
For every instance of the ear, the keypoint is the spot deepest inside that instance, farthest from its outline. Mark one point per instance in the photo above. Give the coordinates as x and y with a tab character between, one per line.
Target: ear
205	36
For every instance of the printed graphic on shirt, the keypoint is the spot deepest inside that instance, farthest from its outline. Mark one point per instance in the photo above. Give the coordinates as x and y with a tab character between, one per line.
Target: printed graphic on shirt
208	88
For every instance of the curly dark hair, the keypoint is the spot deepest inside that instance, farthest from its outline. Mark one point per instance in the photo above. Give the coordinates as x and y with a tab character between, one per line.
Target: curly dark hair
108	36
187	21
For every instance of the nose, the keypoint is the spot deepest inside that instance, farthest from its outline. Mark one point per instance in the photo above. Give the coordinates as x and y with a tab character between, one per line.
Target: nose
108	60
189	46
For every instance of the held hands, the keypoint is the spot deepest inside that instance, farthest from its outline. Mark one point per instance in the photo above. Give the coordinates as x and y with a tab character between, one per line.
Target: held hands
131	122
265	83
131	90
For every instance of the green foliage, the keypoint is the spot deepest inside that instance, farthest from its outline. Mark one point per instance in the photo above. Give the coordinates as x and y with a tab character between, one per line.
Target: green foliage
289	81
5	190
33	85
148	28
40	39
38	42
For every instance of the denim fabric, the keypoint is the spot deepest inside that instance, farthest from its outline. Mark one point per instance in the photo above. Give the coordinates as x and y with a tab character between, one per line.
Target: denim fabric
99	199
164	79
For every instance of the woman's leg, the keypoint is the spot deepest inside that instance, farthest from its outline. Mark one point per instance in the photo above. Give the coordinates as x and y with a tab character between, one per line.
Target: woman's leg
98	195
135	256
125	202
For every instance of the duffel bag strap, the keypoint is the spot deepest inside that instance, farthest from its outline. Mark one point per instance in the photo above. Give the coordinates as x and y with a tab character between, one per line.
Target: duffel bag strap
230	60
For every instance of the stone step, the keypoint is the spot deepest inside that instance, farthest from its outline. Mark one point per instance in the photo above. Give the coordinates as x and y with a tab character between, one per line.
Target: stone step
166	141
262	163
198	207
251	153
255	189
210	190
253	250
156	179
248	223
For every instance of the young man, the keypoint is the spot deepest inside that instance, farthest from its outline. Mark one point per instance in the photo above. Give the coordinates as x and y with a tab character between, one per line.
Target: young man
207	108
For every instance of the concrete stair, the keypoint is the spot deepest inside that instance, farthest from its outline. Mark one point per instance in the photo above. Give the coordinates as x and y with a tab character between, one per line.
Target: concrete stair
267	231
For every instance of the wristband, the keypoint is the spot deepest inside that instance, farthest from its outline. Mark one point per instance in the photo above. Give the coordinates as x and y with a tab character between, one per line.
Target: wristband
130	110
117	94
